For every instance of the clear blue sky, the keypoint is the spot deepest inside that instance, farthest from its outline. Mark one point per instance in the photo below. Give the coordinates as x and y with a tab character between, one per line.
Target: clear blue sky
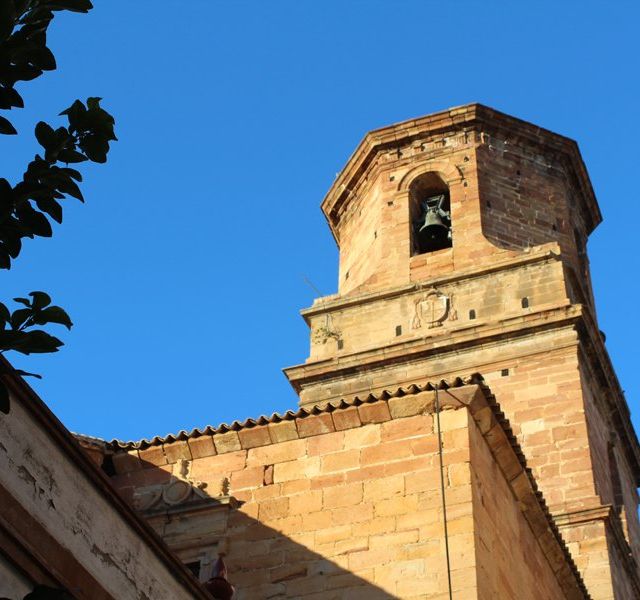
184	271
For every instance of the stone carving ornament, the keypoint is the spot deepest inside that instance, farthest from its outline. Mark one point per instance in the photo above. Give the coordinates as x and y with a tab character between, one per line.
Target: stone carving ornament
432	309
180	489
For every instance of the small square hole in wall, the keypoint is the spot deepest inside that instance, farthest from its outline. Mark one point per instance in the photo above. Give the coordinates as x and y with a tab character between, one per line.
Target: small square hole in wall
525	302
390	203
398	329
340	344
472	314
194	567
504	372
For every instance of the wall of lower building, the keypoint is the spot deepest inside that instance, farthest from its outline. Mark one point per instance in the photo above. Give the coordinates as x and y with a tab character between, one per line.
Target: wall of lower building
74	536
510	562
613	474
348	504
350	513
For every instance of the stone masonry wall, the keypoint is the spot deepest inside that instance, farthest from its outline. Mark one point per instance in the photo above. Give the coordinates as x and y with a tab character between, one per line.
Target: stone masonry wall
477	299
347	504
538	381
336	506
507	196
508	558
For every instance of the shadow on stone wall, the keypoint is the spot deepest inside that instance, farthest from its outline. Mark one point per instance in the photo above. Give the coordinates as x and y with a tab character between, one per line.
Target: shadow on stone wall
264	562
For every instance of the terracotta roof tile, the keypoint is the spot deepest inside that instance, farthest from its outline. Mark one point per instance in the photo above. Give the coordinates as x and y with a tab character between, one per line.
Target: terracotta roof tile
118	445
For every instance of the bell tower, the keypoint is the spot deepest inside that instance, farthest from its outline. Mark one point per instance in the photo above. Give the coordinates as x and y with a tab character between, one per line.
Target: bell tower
462	240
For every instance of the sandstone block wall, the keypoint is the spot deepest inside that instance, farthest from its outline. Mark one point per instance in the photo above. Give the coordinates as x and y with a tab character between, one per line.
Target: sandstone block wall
511	299
512	187
474	299
561	419
509	562
347	504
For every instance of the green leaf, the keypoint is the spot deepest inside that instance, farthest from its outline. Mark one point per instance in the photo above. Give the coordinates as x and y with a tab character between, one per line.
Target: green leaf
51	207
7	19
9	339
53	314
24	301
61	140
72	173
68	186
95	148
43	58
7	368
5	189
38	342
20	317
75	112
33	222
5	258
23	72
6	127
29	342
5	402
9	98
5	315
40	300
44	134
71	156
10	239
26	374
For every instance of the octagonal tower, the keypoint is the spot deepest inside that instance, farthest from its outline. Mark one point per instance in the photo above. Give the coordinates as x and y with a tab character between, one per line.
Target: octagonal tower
462	240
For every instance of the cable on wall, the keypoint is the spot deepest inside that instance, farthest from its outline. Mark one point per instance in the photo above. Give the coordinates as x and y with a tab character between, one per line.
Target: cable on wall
444	501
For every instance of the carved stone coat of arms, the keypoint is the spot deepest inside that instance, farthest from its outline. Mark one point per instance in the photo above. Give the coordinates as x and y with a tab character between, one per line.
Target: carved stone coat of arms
431	310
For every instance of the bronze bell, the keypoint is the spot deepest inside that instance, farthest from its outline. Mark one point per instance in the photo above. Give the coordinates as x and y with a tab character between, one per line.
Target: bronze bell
435	231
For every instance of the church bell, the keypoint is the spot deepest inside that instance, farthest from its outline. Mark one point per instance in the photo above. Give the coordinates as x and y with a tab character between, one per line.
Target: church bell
434	225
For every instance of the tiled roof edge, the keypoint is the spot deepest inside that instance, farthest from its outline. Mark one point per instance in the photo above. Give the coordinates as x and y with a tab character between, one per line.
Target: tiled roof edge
118	445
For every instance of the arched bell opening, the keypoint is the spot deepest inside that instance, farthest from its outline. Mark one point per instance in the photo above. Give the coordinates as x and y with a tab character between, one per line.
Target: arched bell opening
430	214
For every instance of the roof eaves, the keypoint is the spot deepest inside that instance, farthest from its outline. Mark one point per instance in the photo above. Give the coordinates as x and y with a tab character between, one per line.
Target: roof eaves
342	404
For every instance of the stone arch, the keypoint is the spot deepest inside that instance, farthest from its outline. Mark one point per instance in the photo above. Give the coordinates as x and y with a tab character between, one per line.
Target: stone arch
449	173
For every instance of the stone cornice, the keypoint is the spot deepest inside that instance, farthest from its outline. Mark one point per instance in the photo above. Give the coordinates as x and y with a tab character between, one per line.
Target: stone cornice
547	253
598	512
470	335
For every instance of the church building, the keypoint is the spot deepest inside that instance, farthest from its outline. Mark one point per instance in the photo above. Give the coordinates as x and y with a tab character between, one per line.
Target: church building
461	433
